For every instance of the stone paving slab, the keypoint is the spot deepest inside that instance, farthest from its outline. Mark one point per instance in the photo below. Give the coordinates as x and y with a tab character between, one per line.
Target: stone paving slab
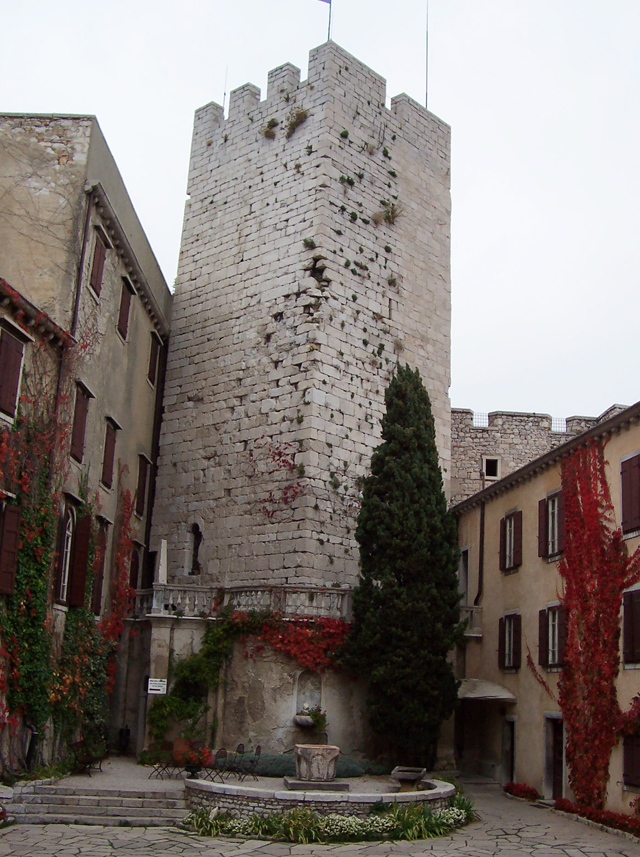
506	829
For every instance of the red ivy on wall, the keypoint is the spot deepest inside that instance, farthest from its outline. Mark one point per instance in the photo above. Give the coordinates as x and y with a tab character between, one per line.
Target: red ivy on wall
596	569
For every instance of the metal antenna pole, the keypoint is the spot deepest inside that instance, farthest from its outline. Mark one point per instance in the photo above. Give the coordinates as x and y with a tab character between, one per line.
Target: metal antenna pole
224	97
329	30
426	89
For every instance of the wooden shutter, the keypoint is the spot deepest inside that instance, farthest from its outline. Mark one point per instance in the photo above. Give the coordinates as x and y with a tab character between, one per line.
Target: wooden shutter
517	641
630	478
501	643
543	638
503	544
517	539
79	424
97	266
101	548
153	359
11	350
543	529
109	454
561	527
635	624
631	760
79	563
141	494
562	635
134	567
9	541
123	315
627	627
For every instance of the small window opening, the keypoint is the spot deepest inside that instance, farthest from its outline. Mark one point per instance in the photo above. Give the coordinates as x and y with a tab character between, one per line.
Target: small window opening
196	533
491	468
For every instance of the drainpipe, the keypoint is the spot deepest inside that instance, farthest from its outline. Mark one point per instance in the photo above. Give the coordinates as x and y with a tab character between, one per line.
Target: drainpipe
478	597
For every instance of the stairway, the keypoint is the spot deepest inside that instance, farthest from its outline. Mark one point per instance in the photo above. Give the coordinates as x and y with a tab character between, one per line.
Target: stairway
66	804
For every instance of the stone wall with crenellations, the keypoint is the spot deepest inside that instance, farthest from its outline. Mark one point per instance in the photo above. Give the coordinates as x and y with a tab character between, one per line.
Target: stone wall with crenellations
315	256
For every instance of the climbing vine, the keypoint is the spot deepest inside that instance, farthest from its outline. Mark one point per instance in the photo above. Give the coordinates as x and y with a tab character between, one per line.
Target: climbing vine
314	643
596	569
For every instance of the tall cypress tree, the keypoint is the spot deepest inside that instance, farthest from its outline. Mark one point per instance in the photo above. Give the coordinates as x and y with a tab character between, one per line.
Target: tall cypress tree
406	606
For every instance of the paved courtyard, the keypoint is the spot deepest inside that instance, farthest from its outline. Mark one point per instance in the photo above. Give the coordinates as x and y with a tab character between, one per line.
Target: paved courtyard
507	829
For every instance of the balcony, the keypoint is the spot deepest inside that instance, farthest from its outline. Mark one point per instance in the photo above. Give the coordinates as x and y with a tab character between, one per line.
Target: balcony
169	599
473	615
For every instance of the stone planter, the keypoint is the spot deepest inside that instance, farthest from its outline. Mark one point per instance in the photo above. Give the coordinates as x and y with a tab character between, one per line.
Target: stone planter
304	721
316	762
409	778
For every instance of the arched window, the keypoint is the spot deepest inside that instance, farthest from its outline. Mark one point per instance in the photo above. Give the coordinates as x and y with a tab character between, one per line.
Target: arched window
65	553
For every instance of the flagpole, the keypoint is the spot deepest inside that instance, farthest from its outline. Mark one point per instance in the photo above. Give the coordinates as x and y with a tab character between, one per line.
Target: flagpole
329	30
426	88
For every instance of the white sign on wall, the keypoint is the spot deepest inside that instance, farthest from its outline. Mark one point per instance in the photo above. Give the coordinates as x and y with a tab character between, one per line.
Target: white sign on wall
157	685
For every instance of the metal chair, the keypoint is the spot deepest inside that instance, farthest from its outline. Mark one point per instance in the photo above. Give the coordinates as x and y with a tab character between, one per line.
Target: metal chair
234	764
218	768
248	768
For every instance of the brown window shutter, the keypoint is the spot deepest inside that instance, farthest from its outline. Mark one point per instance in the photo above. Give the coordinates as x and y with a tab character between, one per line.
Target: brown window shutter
79	424
517	641
9	541
517	539
561	528
543	638
109	455
635	623
543	525
630	478
503	544
134	567
153	359
141	494
97	266
79	563
125	305
101	547
501	643
631	760
562	635
11	350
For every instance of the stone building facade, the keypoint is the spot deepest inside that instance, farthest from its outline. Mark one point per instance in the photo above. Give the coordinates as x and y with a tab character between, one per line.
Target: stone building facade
315	256
484	451
72	246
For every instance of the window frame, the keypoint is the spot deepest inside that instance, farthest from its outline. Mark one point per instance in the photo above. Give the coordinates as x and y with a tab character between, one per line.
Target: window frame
79	425
144	468
552	636
109	452
10	382
154	359
631	627
98	260
510	642
124	310
551	525
510	550
10	521
66	553
630	494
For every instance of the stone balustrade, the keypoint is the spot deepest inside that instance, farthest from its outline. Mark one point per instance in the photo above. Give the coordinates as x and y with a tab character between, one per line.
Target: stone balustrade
167	599
474	616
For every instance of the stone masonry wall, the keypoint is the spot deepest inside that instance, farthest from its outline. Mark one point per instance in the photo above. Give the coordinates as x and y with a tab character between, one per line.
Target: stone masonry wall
514	438
315	256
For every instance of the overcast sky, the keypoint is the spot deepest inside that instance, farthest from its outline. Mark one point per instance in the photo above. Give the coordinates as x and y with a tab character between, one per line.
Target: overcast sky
543	99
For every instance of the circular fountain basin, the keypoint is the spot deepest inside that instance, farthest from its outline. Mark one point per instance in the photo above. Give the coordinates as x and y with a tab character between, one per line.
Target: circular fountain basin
269	795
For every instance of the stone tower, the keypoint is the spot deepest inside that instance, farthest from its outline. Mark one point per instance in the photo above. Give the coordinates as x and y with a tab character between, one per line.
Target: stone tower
315	256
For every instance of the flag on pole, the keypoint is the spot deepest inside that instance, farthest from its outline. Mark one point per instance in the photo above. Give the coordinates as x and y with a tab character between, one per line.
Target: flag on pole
326	1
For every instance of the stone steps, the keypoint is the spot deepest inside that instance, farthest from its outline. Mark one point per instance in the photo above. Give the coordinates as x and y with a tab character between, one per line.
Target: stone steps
52	804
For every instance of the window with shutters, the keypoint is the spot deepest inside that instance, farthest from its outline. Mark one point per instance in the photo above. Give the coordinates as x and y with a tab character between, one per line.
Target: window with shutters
154	353
631	627
511	541
125	307
11	353
630	480
510	642
108	457
97	263
80	412
552	635
631	760
134	566
66	549
551	525
98	579
141	493
9	540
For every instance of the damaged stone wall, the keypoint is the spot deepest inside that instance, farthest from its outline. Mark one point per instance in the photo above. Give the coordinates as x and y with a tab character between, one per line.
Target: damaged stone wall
315	256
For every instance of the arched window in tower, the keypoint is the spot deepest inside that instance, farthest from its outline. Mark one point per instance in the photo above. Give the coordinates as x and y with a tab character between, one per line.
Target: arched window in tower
196	534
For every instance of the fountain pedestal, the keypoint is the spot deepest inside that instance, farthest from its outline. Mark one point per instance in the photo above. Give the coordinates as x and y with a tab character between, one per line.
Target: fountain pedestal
316	768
